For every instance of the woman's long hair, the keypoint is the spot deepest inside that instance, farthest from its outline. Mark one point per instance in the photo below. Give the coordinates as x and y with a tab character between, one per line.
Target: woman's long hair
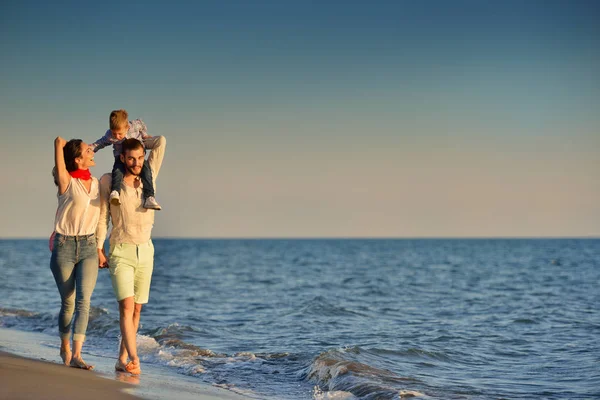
71	151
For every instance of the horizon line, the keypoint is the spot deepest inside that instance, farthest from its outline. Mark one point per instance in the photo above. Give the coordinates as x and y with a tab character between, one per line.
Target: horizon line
336	237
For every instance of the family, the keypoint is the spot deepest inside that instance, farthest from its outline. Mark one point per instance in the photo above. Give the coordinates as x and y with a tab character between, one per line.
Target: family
85	207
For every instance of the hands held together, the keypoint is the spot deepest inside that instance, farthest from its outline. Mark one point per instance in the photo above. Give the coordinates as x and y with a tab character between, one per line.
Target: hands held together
102	261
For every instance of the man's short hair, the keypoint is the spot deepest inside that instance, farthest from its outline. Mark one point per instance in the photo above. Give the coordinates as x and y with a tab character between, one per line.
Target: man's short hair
131	144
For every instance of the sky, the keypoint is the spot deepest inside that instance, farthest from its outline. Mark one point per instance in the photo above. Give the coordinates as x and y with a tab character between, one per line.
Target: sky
290	119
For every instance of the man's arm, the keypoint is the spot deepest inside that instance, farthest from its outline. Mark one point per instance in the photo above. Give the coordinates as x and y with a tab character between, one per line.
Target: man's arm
140	127
149	143
159	143
102	229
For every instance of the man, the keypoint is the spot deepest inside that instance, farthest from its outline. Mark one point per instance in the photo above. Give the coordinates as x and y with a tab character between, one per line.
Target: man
131	256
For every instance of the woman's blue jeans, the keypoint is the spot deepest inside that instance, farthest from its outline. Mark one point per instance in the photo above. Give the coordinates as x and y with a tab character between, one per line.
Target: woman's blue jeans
74	264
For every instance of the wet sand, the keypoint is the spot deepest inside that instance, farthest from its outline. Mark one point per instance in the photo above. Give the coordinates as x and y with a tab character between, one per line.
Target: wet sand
22	378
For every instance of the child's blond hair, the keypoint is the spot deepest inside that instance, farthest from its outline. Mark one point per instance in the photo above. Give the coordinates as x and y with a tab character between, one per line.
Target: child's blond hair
117	119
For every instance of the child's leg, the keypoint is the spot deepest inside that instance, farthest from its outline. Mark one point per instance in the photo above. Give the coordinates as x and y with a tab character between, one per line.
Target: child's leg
118	172
146	176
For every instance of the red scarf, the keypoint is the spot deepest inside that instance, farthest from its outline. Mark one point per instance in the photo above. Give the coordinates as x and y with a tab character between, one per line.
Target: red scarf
81	174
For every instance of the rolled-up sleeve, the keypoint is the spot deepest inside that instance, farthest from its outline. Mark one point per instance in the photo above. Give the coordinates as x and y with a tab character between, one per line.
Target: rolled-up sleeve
102	229
157	154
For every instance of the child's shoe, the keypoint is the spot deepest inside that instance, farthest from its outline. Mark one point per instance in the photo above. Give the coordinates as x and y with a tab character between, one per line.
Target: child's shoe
115	200
151	203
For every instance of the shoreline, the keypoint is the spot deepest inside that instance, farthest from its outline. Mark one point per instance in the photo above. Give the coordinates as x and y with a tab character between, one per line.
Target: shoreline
30	368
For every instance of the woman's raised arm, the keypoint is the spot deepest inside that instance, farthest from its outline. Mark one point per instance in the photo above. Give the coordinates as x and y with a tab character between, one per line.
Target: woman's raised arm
62	175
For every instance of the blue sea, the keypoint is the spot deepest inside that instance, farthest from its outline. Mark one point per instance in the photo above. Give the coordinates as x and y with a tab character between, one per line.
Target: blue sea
346	319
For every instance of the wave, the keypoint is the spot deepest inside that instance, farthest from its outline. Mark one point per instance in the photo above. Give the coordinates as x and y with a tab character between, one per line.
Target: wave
26	320
14	312
100	322
338	371
340	374
172	336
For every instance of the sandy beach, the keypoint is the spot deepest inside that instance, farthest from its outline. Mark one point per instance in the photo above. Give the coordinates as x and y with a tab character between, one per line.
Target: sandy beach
23	378
30	369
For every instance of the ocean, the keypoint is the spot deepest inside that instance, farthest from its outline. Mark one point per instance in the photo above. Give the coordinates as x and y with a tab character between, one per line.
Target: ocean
348	318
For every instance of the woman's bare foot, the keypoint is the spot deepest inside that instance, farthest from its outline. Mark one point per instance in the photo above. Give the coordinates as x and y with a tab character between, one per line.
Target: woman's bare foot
66	355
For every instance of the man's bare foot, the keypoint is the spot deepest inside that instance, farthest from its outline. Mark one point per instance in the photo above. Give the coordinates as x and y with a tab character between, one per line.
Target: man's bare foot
133	368
77	362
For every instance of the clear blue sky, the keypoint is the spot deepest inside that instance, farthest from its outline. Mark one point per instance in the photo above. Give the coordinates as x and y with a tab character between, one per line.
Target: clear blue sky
317	118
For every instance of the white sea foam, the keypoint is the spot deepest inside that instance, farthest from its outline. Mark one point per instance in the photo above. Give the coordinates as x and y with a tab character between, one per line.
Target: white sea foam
147	344
319	394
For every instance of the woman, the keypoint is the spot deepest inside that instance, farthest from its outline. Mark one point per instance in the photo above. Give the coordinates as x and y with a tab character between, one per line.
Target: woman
74	261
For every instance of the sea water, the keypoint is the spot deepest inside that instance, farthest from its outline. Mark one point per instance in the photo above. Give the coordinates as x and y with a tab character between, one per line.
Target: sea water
345	319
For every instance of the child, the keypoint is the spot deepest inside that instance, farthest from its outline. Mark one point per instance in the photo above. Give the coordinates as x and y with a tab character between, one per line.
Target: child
121	129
